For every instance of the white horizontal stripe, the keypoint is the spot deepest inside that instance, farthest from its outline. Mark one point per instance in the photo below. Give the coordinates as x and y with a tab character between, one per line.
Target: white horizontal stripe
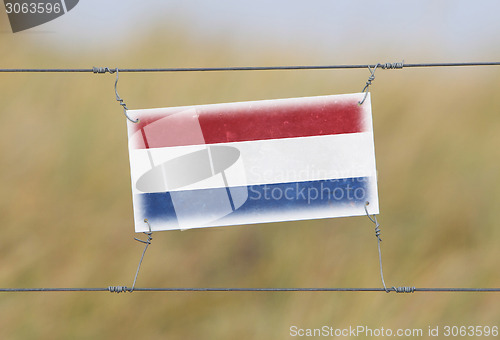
274	161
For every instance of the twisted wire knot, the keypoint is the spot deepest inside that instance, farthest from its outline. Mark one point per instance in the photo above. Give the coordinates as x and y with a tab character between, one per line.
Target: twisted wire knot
403	289
374	221
385	66
378	231
369	81
392	66
377	234
118	289
103	70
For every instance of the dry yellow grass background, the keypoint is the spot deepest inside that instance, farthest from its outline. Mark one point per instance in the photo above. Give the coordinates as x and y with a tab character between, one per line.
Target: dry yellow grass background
66	211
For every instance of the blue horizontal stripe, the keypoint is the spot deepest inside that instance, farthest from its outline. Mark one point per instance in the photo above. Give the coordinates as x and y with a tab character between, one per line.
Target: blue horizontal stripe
217	205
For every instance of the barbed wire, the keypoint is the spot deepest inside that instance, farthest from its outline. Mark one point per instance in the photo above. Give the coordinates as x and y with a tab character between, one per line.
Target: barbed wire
398	65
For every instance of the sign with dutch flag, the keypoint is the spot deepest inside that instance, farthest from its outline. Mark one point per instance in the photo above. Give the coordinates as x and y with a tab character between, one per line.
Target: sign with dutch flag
252	162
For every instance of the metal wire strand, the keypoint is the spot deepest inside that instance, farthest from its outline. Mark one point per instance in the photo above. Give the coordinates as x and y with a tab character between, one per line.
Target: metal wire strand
377	234
102	70
147	242
120	289
251	68
118	99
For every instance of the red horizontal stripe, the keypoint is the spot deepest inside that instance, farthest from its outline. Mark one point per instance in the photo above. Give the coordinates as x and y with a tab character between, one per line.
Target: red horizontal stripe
223	123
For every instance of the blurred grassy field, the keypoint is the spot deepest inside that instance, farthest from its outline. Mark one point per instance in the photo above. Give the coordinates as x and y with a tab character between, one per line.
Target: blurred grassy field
66	211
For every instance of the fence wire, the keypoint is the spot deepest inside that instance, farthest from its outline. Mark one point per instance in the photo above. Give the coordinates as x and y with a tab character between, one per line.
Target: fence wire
397	65
124	289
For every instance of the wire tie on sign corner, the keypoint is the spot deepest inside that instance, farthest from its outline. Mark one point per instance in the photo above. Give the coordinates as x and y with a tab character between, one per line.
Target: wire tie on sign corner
102	70
118	99
371	78
368	82
374	220
148	233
